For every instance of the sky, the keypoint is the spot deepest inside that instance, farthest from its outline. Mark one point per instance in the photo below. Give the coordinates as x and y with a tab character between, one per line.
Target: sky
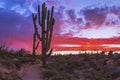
79	24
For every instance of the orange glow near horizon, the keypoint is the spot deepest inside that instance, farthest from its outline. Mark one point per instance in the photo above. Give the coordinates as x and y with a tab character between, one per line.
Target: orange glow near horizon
73	44
86	44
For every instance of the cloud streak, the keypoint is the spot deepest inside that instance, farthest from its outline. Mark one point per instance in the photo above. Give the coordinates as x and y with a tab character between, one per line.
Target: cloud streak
111	45
68	45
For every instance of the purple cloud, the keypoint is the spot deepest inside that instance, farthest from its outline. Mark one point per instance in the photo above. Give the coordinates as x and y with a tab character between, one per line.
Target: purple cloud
98	15
71	14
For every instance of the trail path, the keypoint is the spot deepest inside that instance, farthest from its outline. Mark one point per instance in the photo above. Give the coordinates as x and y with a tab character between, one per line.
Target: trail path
32	72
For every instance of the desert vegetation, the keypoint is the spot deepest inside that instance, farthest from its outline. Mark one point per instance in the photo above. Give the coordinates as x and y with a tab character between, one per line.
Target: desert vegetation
12	61
83	67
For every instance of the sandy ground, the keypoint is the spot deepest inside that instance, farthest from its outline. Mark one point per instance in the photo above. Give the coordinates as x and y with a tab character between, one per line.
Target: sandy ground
32	72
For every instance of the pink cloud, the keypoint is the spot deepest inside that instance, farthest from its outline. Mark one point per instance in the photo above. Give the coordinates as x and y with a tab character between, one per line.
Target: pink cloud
53	3
31	1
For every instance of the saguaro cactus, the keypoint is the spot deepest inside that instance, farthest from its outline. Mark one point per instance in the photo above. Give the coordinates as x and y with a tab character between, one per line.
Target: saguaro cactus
45	21
35	46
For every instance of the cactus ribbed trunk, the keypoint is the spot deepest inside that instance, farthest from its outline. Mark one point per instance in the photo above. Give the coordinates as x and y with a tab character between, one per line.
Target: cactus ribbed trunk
46	22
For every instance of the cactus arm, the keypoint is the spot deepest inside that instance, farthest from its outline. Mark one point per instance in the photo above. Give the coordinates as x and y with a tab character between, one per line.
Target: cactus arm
34	40
37	45
34	17
39	21
49	54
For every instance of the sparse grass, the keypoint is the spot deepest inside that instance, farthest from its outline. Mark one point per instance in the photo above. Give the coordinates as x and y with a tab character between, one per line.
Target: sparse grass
80	67
64	67
13	60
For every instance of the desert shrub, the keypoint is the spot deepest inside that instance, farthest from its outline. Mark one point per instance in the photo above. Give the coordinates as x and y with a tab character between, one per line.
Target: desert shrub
12	77
82	67
47	74
62	77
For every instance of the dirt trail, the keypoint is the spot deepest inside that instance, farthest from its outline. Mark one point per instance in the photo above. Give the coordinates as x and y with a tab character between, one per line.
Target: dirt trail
32	72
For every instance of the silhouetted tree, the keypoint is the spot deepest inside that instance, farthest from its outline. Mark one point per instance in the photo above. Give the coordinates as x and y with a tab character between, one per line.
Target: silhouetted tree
46	22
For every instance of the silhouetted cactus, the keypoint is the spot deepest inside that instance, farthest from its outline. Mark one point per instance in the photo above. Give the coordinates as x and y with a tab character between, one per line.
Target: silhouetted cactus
46	22
35	46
